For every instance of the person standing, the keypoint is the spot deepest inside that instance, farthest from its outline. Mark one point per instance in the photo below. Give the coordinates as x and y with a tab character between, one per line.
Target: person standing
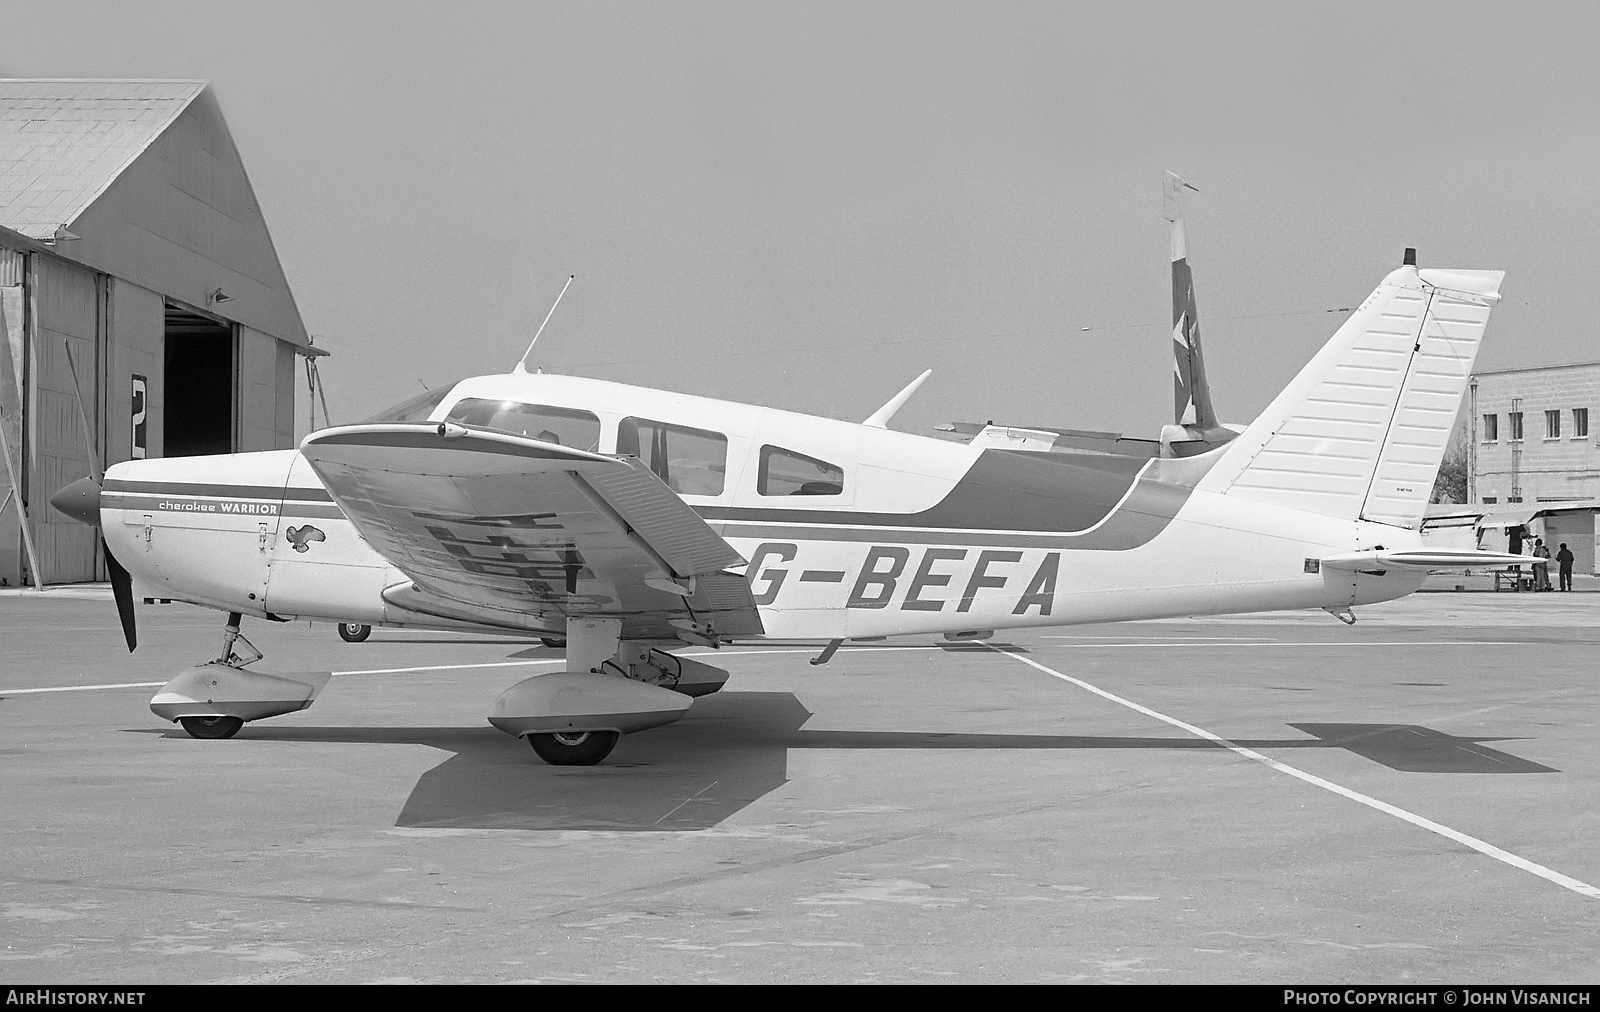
1564	563
1513	547
1541	570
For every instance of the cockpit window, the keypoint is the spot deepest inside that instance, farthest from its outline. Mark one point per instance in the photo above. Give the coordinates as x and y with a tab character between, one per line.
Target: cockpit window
784	472
690	461
417	409
548	424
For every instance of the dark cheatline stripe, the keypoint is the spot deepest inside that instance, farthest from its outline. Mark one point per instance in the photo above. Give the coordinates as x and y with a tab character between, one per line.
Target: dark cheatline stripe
992	515
1006	499
297	511
1055	493
273	492
163	504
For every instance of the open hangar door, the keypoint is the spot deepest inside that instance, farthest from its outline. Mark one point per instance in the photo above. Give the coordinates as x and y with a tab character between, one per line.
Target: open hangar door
199	386
1575	529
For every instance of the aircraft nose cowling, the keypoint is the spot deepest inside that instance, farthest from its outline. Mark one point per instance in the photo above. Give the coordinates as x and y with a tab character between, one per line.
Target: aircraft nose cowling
80	501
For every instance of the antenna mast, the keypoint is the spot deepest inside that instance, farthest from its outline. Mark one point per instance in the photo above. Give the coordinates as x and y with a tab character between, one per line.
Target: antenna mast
522	363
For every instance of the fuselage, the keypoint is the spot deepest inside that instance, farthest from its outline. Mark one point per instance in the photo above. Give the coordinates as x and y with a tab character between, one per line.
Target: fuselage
849	530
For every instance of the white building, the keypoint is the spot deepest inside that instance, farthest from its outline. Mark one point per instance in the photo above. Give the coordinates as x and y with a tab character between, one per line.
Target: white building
1534	456
1533	437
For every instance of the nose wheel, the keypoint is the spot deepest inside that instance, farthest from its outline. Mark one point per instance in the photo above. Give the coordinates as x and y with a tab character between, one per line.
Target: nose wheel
574	748
211	727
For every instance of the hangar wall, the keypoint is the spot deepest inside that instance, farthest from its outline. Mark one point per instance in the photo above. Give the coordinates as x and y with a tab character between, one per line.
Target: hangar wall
117	332
66	298
129	231
266	392
137	317
183	219
12	267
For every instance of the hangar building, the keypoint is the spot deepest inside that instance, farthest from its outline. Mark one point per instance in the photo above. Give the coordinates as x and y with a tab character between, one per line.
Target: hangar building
133	252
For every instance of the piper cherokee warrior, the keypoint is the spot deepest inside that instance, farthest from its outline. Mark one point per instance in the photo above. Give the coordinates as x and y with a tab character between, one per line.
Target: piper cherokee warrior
630	522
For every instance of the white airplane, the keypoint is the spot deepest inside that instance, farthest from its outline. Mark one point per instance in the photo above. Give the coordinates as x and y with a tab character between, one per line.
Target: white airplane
632	522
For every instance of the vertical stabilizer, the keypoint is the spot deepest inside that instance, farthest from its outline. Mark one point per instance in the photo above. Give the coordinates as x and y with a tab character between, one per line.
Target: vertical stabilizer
1360	432
1191	394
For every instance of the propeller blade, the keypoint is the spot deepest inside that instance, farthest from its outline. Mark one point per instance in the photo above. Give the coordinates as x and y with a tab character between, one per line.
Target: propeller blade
122	589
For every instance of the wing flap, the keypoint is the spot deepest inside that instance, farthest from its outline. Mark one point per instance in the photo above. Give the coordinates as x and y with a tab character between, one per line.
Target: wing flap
672	528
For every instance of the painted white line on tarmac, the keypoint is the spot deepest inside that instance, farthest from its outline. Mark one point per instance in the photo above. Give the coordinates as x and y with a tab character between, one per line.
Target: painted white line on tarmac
1174	639
449	667
1294	643
82	688
1489	849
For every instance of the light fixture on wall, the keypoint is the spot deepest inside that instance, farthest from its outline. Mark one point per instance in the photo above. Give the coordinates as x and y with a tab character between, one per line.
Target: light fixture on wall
218	296
62	235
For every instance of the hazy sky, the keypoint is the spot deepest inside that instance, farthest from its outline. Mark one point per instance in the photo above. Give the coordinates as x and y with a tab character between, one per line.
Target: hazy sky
807	204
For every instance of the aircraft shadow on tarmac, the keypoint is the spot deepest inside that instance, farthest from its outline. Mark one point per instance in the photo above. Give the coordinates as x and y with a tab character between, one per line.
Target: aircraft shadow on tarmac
733	749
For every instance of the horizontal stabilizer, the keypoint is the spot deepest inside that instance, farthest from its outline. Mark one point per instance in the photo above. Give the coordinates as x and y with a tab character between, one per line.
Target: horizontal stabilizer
1426	558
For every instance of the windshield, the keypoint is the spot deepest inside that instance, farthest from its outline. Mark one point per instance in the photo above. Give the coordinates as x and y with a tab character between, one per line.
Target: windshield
544	422
417	409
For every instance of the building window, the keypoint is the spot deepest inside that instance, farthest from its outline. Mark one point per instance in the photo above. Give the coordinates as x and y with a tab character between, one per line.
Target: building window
1514	418
1513	498
1580	423
784	472
1552	425
1490	500
690	461
1491	428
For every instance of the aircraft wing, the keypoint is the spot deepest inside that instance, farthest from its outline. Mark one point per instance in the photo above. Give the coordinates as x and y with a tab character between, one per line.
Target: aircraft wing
516	532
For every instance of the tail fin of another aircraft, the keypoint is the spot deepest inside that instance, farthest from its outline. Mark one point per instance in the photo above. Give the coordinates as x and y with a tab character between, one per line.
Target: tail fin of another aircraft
1191	394
1359	434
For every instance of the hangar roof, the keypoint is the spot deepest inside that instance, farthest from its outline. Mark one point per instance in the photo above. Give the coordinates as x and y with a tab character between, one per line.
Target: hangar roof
62	143
141	180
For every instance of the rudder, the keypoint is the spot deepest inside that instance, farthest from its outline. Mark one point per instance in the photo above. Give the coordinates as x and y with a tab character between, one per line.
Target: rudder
1361	431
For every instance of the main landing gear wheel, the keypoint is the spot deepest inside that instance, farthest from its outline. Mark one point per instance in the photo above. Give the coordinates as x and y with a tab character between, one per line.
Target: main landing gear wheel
574	748
553	642
212	727
354	632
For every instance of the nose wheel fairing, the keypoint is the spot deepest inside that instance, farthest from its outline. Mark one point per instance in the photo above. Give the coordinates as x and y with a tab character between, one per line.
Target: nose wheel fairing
219	690
214	700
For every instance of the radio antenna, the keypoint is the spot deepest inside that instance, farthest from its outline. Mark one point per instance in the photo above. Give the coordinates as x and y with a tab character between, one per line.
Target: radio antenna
522	363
